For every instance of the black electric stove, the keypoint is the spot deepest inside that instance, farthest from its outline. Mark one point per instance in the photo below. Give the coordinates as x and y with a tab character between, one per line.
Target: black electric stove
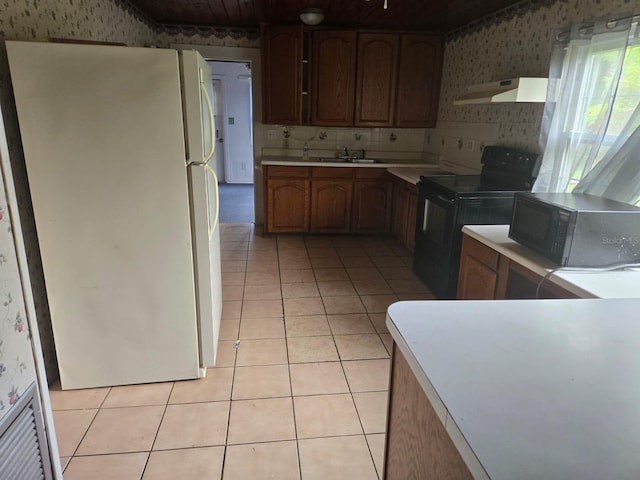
447	202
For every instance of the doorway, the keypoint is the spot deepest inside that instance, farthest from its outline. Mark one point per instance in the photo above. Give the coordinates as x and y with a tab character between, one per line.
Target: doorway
234	119
252	56
234	136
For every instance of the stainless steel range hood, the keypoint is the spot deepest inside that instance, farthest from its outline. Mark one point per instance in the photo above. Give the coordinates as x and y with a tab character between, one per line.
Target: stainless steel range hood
521	89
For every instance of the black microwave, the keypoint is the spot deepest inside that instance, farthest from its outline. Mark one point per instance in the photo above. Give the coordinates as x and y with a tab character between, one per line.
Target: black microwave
577	230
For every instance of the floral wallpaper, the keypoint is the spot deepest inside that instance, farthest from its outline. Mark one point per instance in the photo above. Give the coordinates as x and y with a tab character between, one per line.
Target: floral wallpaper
100	20
17	368
511	46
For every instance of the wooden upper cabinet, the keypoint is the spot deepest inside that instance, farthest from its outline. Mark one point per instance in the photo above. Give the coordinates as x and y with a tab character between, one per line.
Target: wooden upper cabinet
418	80
344	77
333	73
282	48
376	79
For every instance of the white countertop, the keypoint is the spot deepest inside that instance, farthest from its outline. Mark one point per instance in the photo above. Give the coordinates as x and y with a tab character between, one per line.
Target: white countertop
531	389
412	174
584	283
407	171
380	163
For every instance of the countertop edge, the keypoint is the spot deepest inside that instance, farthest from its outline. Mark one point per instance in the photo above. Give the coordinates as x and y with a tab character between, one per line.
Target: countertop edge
426	339
409	172
464	449
311	163
519	254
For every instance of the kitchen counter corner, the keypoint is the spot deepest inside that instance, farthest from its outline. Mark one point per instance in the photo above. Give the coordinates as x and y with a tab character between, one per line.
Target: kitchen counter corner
587	283
551	392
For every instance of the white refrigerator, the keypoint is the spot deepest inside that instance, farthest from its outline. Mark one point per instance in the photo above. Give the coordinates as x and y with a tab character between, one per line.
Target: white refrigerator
117	142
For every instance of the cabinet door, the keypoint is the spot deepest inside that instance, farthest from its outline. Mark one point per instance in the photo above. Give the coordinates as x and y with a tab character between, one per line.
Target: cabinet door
477	281
518	282
333	72
400	208
376	79
419	80
287	205
372	207
282	60
412	216
478	271
331	206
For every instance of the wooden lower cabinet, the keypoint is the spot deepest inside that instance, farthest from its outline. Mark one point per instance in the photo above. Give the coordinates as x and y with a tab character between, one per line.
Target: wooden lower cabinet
418	446
404	212
331	206
518	282
372	207
287	205
478	271
327	199
487	275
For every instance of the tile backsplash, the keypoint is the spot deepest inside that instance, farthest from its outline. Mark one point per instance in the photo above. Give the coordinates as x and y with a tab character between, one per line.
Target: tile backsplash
379	143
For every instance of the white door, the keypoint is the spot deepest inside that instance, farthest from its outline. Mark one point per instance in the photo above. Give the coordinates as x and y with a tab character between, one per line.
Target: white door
236	122
240	132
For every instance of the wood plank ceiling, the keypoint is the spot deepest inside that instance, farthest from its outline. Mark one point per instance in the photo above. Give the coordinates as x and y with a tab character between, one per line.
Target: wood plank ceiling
431	15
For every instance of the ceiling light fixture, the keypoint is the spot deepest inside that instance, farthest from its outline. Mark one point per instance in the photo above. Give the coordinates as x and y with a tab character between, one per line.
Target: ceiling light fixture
312	16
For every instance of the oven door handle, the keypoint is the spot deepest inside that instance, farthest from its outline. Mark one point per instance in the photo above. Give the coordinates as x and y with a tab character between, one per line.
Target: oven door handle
445	199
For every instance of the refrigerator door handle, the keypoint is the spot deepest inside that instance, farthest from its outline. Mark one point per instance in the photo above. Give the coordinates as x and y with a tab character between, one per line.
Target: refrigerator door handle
205	94
216	216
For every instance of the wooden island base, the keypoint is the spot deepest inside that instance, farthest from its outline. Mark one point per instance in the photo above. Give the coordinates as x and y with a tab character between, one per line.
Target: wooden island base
417	447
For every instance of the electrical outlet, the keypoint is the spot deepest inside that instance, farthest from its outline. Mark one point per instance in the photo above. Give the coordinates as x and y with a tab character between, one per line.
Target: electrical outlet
469	145
272	135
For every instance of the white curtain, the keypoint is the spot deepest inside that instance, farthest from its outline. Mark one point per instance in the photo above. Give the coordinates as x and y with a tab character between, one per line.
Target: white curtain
590	131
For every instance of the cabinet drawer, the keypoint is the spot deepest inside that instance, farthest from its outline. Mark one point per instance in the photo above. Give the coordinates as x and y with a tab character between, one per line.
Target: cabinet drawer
332	172
481	252
285	171
371	173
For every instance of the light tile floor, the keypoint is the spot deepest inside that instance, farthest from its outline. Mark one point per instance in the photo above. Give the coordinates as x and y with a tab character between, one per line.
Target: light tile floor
302	395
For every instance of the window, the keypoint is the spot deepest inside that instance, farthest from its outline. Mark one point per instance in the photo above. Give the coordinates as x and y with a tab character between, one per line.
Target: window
595	83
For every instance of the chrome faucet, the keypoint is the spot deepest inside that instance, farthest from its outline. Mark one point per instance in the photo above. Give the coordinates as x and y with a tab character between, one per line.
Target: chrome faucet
346	152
